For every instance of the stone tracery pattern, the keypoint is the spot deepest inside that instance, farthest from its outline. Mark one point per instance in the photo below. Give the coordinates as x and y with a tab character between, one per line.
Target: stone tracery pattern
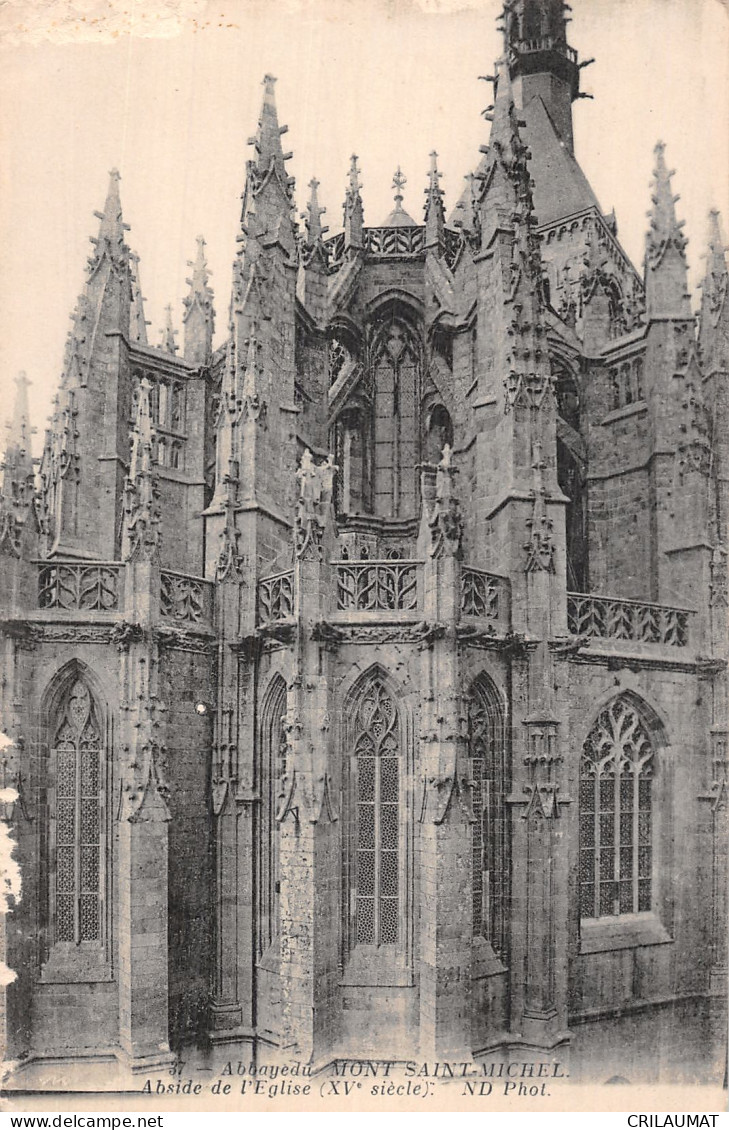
616	833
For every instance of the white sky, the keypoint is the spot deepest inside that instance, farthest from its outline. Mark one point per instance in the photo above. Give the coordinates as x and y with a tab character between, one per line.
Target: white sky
387	79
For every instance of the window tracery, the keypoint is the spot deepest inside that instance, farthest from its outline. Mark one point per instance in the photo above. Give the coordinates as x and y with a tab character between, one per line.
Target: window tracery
486	751
78	849
616	816
375	863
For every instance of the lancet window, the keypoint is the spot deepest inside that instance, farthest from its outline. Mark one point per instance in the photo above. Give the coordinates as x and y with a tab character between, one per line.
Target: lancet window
374	865
272	755
78	824
489	839
616	814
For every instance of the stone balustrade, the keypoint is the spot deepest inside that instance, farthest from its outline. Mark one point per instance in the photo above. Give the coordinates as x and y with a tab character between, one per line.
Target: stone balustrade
483	595
185	599
611	618
74	586
276	597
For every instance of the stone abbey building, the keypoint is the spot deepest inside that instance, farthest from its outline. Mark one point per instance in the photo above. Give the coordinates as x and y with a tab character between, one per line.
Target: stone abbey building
366	675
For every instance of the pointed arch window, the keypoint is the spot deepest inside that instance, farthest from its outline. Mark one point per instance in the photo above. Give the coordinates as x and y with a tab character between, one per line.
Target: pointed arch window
78	825
396	378
490	871
616	814
375	879
272	754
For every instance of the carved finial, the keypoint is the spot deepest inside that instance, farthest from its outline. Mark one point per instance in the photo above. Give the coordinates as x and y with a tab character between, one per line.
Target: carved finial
398	183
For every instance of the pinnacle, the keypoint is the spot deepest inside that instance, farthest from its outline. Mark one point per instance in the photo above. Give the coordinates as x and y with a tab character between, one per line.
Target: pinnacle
434	209
664	227
313	214
504	123
19	428
112	227
354	183
716	263
137	322
169	333
141	457
267	140
199	282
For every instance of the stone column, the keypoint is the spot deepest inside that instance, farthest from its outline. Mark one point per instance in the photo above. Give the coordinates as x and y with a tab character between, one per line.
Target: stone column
445	816
143	842
309	812
539	891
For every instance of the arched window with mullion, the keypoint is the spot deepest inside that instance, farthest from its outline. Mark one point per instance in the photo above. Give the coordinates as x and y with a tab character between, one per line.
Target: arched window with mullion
78	819
616	814
490	862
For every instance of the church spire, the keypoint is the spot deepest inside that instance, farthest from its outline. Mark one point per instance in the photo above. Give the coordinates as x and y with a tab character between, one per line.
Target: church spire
541	62
434	209
666	270
353	209
199	315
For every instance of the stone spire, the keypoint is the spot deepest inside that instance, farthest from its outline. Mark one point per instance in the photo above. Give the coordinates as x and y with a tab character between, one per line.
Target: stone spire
16	492
666	270
353	209
84	444
268	194
434	209
140	539
199	315
168	333
714	315
110	241
137	322
540	60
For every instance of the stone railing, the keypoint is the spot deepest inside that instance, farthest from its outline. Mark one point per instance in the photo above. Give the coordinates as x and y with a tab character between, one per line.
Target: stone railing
73	586
377	586
608	618
394	243
544	43
276	597
185	599
482	594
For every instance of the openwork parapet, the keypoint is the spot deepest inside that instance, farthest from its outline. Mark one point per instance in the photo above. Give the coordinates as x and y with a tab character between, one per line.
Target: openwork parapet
480	594
377	586
71	586
185	599
276	597
607	618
